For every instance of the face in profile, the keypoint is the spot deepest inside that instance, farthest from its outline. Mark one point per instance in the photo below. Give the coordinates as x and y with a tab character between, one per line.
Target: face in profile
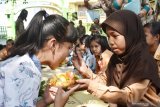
116	41
150	39
82	48
9	45
62	51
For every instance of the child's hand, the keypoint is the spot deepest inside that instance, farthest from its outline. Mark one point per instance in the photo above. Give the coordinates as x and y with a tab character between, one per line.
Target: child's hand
62	97
80	65
142	13
49	95
84	83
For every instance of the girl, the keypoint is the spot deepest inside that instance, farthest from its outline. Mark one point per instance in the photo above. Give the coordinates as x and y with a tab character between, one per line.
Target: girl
5	51
99	44
152	33
132	78
47	40
86	53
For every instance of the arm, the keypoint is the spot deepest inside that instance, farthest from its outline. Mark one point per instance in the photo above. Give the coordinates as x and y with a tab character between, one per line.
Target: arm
86	72
93	6
84	30
2	89
3	53
112	94
41	103
157	11
145	8
48	97
62	96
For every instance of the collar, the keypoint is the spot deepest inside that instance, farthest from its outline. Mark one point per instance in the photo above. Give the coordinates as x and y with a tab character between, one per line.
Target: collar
36	61
157	53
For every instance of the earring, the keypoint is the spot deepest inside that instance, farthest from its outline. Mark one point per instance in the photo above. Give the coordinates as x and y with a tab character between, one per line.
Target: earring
53	50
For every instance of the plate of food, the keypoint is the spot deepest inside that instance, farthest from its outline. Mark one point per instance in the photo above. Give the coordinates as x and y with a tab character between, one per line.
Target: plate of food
64	80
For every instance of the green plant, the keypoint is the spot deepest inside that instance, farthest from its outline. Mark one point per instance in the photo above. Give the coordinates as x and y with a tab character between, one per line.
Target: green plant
42	88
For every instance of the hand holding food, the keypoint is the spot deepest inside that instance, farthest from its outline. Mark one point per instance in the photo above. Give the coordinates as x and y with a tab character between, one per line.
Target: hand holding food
63	80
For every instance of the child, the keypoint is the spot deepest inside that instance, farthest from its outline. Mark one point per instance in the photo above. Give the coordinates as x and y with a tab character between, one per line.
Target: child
85	52
132	78
98	45
5	51
152	33
47	40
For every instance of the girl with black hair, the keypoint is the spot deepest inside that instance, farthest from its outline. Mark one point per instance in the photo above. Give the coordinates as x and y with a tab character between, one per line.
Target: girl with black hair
152	33
101	50
86	53
47	40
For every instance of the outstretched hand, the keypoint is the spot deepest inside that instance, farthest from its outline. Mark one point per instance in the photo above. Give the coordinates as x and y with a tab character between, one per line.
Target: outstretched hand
62	96
49	94
80	65
83	83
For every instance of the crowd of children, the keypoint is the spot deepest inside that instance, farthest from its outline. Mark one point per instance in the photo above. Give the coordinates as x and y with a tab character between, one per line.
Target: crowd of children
121	68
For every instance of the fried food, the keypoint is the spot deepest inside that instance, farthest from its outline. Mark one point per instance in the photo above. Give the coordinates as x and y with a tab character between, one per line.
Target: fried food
64	80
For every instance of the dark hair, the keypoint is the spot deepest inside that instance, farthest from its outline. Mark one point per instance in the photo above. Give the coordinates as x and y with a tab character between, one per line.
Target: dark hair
154	26
23	14
41	28
71	22
11	41
101	40
84	40
1	46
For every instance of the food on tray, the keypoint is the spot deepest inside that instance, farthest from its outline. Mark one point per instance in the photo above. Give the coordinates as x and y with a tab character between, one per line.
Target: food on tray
63	79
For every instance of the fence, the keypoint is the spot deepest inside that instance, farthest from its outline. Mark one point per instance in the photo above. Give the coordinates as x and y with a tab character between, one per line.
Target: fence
3	32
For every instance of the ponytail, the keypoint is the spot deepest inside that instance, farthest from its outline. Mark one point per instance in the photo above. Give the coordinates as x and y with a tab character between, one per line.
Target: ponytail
29	41
41	27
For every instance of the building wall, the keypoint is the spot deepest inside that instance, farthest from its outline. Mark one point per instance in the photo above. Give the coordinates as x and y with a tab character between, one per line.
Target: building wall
83	14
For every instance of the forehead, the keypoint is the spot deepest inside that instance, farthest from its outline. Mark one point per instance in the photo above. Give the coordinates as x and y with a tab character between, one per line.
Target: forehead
147	30
9	42
111	31
66	44
94	42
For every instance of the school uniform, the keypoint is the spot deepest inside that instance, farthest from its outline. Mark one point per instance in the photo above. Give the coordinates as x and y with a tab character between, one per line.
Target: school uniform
132	76
157	58
20	78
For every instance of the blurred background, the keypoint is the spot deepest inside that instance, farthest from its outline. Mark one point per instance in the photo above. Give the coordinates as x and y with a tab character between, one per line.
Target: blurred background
73	10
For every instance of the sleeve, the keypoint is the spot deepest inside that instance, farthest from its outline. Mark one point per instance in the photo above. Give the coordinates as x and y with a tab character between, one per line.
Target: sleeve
145	5
21	27
100	78
157	10
92	27
1	89
97	5
112	94
92	62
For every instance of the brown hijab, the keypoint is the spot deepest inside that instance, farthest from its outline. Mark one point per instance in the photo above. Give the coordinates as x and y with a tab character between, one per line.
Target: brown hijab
138	63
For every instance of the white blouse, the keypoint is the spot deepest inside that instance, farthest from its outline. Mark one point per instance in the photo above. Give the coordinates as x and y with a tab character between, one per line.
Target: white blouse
19	82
